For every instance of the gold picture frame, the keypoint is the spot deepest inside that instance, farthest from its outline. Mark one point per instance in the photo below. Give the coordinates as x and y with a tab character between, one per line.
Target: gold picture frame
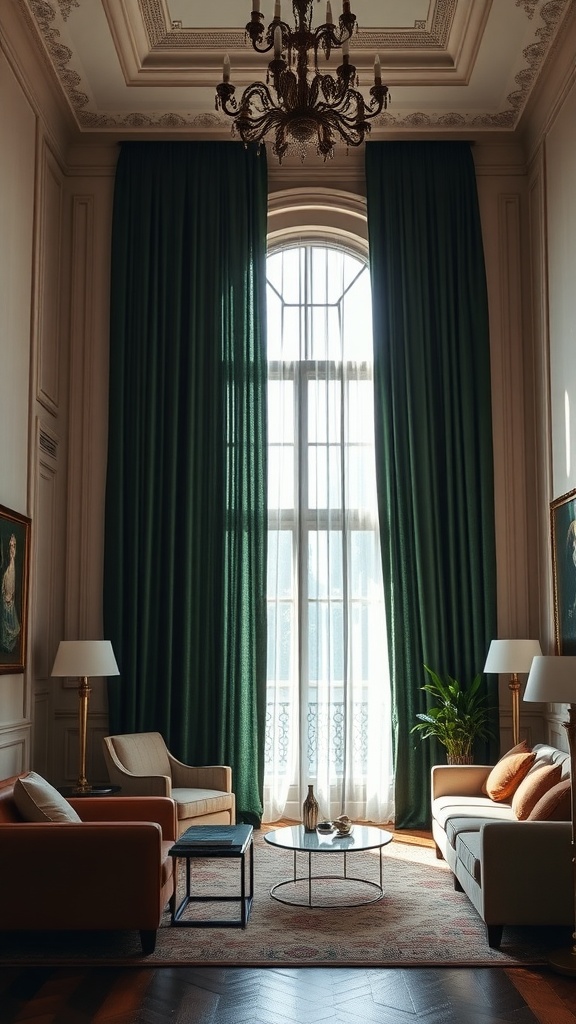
14	570
563	535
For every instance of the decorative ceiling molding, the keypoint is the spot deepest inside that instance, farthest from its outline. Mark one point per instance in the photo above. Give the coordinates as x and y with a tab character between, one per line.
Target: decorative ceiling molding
529	6
158	46
66	6
162	32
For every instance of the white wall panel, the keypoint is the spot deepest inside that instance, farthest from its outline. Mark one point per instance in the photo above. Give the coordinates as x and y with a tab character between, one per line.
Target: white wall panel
14	754
41	734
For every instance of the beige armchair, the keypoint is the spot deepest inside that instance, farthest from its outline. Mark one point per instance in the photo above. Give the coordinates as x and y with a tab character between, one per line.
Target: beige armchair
142	765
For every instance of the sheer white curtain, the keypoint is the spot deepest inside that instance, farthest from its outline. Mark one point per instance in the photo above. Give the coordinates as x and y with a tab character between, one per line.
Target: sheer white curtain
328	703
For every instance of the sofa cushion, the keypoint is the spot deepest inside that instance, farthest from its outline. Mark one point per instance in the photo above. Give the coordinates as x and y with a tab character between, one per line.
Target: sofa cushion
192	803
535	784
468	849
508	772
37	800
555	805
446	807
455	826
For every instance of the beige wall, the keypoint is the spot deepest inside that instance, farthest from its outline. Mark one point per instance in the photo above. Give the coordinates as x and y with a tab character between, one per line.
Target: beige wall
17	147
55	218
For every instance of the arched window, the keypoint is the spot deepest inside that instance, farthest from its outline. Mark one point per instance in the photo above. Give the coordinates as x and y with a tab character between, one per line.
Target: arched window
328	703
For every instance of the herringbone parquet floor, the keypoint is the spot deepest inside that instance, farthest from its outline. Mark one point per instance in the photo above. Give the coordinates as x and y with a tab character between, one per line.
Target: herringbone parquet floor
285	996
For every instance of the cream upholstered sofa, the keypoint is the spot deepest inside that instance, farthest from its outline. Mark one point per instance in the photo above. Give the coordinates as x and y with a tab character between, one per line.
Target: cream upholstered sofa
515	872
141	764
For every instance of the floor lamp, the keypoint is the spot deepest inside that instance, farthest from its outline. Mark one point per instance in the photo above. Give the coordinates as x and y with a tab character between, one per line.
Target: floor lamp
552	680
83	659
513	657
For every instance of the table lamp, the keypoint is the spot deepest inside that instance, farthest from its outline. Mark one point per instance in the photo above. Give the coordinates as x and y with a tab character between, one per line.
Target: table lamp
84	658
552	680
512	656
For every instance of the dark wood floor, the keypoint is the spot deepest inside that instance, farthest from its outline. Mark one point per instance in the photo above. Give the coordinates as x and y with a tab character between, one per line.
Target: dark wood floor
189	995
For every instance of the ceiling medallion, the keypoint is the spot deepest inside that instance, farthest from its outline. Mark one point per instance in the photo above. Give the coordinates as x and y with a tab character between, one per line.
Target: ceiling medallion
305	106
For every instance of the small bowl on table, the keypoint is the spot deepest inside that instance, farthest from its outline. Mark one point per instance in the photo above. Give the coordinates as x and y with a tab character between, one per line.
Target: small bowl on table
325	828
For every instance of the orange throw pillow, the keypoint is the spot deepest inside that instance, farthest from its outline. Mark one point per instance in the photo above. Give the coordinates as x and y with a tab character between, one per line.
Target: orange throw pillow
533	787
508	773
555	805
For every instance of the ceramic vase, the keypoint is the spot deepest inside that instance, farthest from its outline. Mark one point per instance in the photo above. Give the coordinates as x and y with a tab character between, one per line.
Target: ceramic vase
310	811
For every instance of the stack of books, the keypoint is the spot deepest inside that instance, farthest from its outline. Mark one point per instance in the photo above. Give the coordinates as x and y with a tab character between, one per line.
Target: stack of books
211	837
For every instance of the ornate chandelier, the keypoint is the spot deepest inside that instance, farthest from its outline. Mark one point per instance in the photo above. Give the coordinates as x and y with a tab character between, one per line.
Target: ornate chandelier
307	106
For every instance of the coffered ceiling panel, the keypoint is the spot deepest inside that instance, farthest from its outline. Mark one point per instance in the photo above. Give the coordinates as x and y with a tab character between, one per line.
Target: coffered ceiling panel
153	65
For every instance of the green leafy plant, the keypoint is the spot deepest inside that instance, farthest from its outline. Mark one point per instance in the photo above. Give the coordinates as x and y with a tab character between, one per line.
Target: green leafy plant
460	716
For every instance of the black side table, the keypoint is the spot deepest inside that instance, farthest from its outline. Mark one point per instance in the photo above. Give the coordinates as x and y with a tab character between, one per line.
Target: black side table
215	841
101	789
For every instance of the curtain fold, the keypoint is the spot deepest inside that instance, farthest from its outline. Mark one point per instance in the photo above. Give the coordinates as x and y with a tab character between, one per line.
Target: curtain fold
433	436
185	534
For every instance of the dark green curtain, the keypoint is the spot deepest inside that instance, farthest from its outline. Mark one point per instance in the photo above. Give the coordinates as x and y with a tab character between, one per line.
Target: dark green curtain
186	530
433	436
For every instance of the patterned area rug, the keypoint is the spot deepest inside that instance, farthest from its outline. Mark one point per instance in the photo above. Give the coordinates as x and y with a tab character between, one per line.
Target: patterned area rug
421	921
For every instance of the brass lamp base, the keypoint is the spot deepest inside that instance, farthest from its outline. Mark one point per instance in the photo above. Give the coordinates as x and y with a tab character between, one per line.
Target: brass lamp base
564	961
82	789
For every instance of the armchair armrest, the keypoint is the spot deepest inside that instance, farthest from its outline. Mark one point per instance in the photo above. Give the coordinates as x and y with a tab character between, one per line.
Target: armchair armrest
121	809
527	870
459	779
216	776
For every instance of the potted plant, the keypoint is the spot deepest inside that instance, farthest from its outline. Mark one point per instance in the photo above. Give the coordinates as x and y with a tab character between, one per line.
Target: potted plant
460	716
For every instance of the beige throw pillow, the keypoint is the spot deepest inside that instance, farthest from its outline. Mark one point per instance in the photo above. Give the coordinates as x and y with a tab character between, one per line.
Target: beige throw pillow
508	773
533	787
37	800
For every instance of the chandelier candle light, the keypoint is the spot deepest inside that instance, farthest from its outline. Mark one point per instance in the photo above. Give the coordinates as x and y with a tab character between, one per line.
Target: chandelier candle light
305	105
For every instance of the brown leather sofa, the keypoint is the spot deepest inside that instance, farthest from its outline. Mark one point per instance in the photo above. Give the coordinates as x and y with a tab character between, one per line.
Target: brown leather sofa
111	871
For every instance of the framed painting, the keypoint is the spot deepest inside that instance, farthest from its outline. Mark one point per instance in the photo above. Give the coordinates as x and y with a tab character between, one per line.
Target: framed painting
14	569
563	531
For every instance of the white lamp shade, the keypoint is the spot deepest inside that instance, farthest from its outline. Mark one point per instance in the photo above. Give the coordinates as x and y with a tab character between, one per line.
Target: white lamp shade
85	658
552	680
511	655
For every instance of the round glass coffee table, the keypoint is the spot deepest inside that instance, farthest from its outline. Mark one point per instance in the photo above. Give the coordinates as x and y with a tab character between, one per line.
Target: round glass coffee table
328	890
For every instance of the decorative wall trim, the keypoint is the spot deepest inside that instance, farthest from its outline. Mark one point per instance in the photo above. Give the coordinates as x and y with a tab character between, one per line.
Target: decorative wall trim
48	445
80	477
539	414
295	214
509	380
48	291
41	733
46	547
14	750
